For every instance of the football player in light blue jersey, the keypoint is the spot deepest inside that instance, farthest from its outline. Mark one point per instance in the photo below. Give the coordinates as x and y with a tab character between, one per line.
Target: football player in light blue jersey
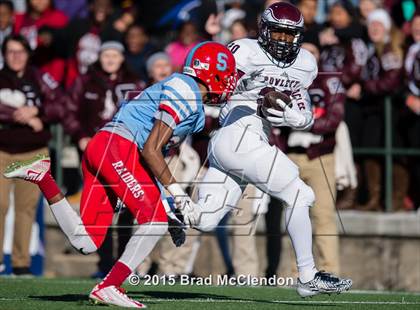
125	161
176	101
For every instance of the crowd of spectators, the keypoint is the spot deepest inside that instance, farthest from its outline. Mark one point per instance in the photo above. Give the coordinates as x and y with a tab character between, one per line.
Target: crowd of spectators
72	62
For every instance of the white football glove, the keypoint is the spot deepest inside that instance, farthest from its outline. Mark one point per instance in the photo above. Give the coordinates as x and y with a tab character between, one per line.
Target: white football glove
289	117
250	82
183	203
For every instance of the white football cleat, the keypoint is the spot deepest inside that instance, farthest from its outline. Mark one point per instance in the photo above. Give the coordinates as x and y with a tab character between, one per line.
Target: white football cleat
323	283
32	170
112	295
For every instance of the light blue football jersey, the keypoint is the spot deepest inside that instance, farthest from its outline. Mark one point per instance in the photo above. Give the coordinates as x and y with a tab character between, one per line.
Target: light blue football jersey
176	101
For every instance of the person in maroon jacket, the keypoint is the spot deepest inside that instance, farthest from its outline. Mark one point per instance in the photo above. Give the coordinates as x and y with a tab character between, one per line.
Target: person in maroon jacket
95	95
342	47
29	101
381	77
313	153
344	51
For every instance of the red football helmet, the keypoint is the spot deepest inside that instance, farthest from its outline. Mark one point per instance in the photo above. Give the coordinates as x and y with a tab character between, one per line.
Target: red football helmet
281	17
214	65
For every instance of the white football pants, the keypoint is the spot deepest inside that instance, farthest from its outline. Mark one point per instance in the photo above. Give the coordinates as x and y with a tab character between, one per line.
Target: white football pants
239	155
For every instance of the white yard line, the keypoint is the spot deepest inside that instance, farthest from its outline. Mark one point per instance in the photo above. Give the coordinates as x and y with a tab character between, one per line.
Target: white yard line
383	292
80	281
368	292
202	300
55	281
311	302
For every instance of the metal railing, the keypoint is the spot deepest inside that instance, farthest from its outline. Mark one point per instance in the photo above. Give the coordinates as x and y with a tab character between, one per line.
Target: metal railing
388	151
57	144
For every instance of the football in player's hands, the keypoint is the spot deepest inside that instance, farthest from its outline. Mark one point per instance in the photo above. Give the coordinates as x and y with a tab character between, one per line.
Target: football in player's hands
270	102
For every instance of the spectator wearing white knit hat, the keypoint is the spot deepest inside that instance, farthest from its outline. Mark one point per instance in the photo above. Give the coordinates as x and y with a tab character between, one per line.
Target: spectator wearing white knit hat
379	26
381	77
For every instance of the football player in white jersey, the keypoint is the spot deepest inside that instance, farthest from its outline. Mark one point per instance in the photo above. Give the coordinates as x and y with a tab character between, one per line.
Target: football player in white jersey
240	153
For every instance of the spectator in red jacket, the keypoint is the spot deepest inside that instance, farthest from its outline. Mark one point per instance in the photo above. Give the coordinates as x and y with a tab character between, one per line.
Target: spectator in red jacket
35	25
29	101
83	37
95	96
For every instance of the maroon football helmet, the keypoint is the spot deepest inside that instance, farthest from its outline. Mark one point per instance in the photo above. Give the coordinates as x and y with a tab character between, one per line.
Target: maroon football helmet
286	18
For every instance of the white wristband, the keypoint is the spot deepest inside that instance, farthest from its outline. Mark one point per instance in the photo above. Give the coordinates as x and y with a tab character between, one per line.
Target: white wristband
176	190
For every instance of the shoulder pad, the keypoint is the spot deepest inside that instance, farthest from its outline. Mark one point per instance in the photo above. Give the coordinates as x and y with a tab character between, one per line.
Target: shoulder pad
306	61
243	46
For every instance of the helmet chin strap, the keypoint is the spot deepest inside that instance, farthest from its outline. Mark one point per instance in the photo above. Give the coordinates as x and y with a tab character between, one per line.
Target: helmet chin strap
276	61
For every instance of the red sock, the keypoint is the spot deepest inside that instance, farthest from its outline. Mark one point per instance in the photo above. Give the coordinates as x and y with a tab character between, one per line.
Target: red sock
48	186
116	276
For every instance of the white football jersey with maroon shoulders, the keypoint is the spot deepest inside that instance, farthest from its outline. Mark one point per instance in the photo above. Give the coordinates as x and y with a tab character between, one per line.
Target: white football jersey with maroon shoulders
293	80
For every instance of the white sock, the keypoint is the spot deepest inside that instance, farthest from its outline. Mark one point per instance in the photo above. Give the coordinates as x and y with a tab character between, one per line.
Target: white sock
142	243
72	226
298	225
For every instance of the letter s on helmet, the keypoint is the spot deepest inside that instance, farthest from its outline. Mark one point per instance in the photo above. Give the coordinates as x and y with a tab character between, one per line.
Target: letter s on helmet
214	65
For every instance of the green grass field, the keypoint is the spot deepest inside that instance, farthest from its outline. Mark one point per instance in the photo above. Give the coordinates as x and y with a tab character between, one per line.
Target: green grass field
63	294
